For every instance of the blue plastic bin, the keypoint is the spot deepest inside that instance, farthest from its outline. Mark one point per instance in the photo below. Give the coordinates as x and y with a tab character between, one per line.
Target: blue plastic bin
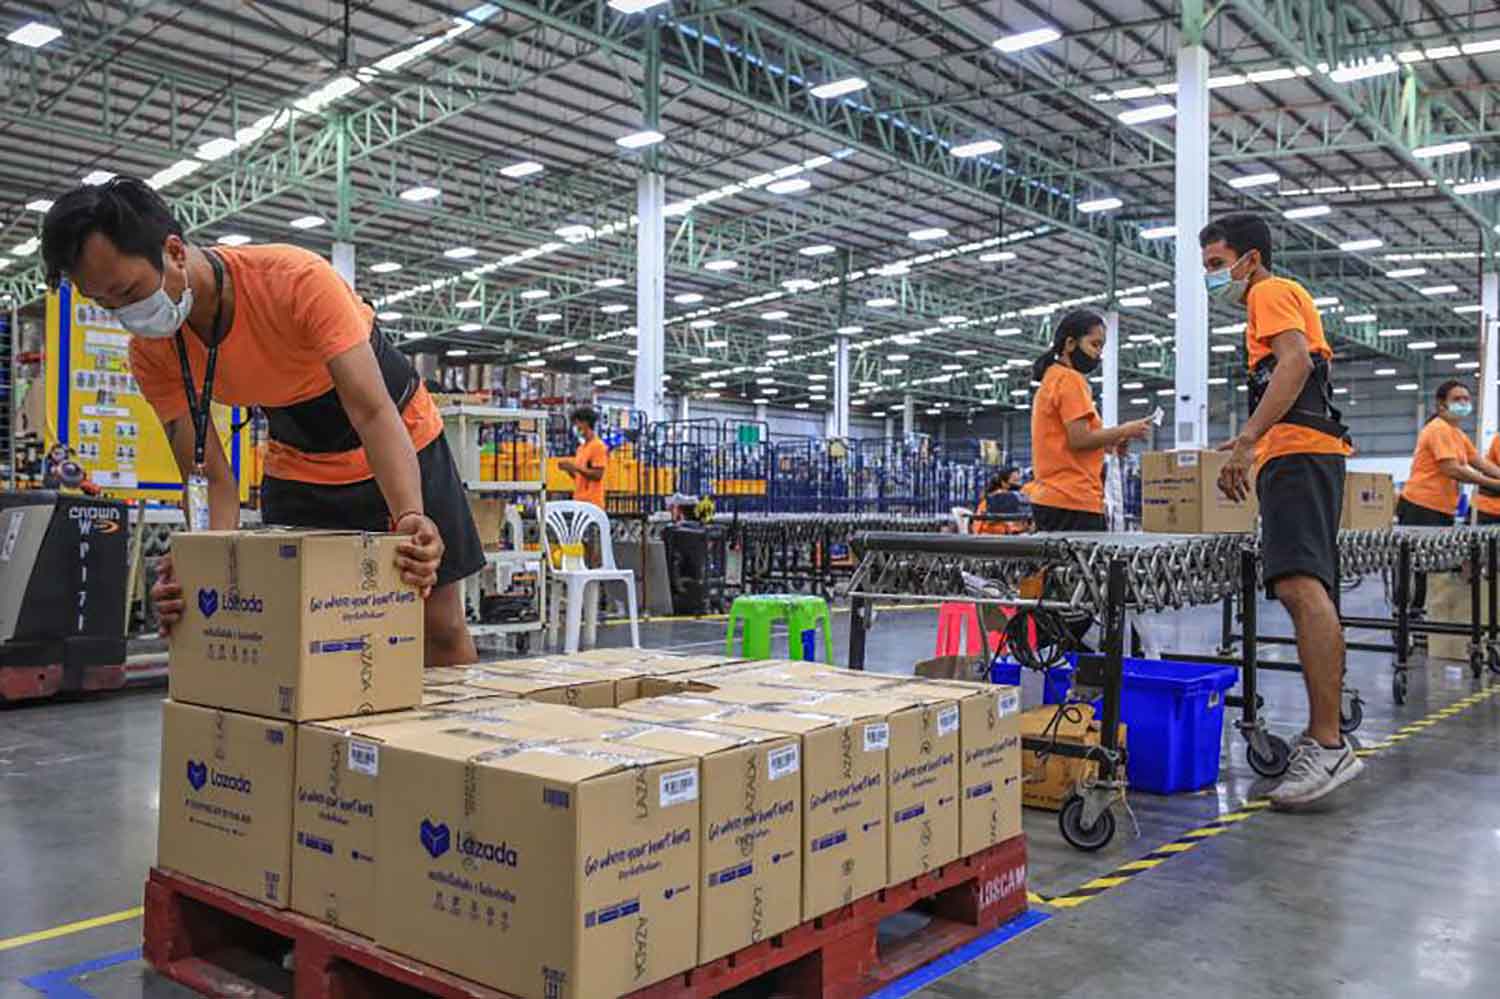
1006	672
1174	715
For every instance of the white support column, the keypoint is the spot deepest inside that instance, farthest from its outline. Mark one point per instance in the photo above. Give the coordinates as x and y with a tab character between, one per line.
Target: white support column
890	427
1489	362
908	416
1111	371
682	407
840	422
1191	127
760	412
343	261
650	294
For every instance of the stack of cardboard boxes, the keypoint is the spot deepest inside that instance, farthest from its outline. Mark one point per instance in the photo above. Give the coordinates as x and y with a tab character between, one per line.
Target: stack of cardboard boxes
577	826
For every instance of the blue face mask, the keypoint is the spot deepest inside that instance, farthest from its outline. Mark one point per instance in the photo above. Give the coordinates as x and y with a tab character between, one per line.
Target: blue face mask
1224	287
1461	410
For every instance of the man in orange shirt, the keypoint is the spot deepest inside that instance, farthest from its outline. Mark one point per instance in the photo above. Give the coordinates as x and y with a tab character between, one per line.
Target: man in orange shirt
1296	443
1444	458
356	441
589	462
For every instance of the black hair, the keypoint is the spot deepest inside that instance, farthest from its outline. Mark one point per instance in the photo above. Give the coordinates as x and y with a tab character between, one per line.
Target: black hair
997	481
1447	387
586	414
1008	471
1076	325
1241	233
125	210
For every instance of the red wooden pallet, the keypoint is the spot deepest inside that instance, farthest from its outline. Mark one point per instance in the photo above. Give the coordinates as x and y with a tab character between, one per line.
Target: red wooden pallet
218	943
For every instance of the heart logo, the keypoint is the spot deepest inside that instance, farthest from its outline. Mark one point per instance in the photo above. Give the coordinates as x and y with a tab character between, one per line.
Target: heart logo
208	602
435	837
197	774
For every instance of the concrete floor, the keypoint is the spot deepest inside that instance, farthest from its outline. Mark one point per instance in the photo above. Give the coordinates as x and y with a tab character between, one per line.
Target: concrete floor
1385	894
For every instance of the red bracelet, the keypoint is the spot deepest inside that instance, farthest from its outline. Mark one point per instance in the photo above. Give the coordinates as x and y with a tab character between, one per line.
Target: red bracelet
396	520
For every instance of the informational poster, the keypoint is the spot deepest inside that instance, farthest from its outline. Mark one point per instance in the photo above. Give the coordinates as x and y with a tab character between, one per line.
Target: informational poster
96	410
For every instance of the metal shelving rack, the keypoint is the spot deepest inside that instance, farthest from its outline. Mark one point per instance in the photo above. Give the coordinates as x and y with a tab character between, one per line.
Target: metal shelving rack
462	426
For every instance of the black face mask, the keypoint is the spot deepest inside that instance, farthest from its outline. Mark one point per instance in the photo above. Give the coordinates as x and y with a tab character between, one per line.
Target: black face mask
1083	362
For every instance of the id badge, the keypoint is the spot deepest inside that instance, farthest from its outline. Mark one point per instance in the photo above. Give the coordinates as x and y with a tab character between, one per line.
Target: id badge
197	502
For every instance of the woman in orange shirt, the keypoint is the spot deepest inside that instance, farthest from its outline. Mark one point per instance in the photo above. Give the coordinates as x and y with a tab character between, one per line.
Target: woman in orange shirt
1444	457
1068	439
1001	496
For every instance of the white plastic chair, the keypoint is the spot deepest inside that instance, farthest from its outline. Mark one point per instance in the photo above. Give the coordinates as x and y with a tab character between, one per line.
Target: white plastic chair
567	524
962	515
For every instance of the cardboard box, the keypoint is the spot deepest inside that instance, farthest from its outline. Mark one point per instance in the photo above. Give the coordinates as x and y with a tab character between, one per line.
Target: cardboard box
537	685
1369	502
489	519
1180	495
544	868
843	789
1049	782
922	763
226	800
651	662
750	854
295	624
989	762
335	809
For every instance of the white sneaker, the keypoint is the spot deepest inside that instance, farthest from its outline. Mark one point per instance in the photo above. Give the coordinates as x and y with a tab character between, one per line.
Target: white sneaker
1314	772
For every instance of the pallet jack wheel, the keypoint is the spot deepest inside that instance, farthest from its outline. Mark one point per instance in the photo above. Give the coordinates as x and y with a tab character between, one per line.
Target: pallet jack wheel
1398	686
1274	763
1494	657
1088	839
1352	716
1476	664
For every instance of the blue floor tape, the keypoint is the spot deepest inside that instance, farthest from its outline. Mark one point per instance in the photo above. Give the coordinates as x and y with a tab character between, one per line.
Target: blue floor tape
955	959
59	984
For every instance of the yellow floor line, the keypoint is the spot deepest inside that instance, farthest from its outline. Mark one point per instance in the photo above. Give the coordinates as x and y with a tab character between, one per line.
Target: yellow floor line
25	939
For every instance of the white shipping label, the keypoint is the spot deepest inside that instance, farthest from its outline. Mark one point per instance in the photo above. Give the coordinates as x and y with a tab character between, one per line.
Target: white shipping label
1187	459
784	761
679	787
364	758
1008	703
947	721
877	736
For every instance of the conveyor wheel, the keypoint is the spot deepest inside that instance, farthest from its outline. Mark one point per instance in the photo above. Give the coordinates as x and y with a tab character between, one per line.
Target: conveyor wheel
1352	713
1268	755
1398	686
1087	838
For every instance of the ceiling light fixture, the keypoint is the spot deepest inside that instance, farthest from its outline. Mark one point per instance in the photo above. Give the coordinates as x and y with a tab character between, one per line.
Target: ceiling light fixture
1154	112
927	235
1390	333
641	139
39	205
1027	40
1159	232
820	250
460	253
1099	205
1441	149
1364	71
420	193
1439	289
839	88
308	222
980	147
791	185
1306	212
879	303
1406	272
34	34
1254	180
232	239
385	267
1477	187
1360	245
721	265
609	282
998	257
523	169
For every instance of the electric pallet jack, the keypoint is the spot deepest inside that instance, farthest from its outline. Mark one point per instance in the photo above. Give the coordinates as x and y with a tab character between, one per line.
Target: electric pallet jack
63	582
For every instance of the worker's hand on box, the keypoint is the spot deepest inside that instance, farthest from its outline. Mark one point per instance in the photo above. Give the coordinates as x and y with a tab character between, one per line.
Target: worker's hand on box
418	556
1234	477
166	595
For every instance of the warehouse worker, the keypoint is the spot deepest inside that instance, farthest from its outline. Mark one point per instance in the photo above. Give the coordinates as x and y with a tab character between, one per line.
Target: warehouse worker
1068	440
1487	502
356	441
1444	458
1002	496
590	461
1294	443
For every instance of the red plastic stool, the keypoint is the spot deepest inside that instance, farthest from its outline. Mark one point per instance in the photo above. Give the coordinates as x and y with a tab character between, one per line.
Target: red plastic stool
959	629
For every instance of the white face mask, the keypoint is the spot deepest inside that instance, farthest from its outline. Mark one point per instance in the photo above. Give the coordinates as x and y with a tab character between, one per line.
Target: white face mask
1225	287
157	316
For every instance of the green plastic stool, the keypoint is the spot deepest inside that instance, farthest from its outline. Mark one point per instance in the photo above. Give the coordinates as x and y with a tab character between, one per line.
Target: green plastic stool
755	614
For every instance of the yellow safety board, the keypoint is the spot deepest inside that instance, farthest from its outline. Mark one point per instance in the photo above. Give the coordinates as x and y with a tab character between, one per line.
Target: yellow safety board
94	406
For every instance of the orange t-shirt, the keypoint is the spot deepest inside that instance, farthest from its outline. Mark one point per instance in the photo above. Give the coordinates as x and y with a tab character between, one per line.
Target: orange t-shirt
1276	306
1427	486
292	315
591	454
1065	479
1483	503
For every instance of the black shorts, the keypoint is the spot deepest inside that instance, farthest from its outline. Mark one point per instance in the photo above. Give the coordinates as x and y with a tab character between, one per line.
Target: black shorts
1301	499
1052	518
359	506
1412	515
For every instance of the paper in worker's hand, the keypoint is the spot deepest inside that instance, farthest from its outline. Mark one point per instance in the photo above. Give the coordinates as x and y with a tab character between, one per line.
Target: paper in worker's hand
1156	417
